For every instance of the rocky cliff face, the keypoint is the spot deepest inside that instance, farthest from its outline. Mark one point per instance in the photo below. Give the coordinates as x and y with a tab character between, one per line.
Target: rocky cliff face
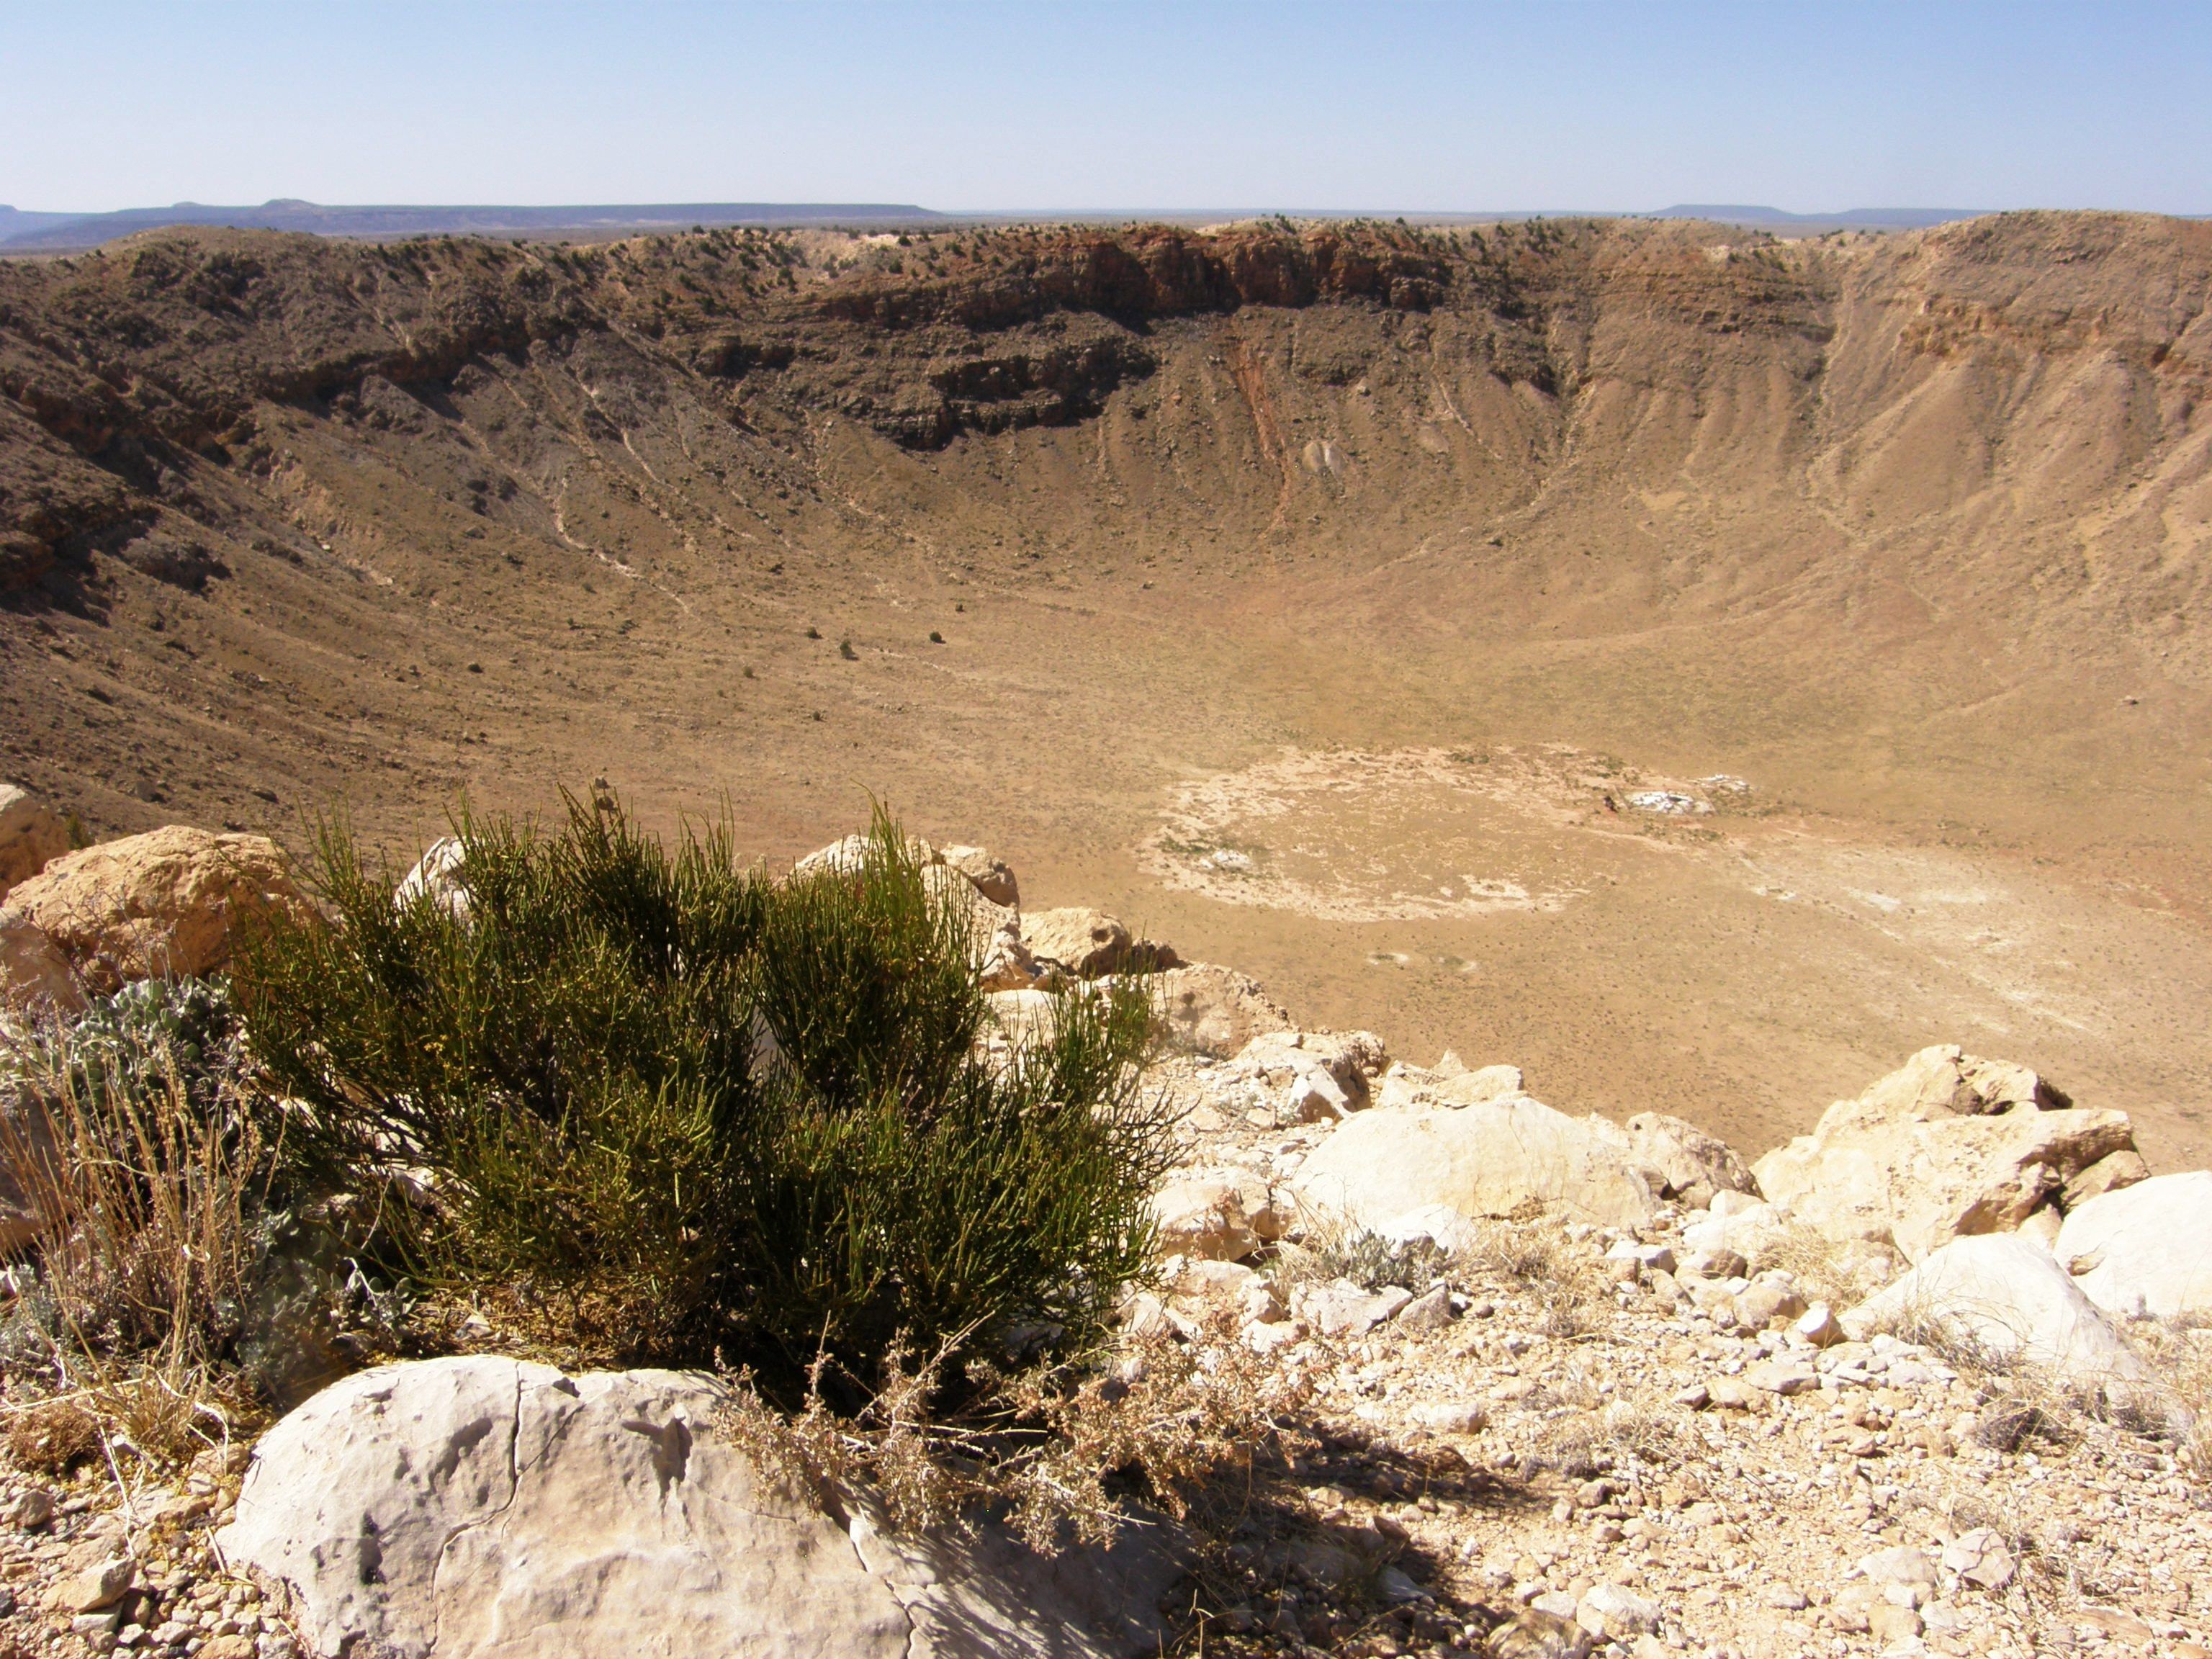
1880	382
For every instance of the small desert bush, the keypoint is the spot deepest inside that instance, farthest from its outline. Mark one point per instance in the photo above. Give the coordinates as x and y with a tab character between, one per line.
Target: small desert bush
1334	1247
649	1104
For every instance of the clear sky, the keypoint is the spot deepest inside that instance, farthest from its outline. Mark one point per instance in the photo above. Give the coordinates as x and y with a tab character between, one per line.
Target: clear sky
1006	106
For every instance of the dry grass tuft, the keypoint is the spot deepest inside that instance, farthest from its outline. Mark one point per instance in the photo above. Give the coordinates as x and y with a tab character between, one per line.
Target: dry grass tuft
1059	1449
1523	1254
126	1139
2179	1353
146	1195
1631	1432
1533	1256
1822	1268
1923	1322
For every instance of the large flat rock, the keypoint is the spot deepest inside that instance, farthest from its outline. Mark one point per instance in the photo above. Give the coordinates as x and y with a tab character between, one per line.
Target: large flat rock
481	1505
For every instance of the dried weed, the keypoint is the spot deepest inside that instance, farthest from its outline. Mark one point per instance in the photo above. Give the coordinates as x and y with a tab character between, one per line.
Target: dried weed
1055	1448
1632	1432
1822	1267
1534	1255
53	1437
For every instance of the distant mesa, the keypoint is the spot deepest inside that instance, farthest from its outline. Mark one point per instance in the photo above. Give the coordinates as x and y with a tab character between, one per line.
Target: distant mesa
63	232
1767	218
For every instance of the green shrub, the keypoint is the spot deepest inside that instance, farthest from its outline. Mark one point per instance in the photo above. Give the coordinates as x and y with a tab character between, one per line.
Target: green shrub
670	1110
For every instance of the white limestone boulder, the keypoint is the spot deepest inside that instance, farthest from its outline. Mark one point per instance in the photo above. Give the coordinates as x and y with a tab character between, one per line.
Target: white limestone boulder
1203	1008
437	877
464	1508
1090	943
848	856
1222	1214
1448	1083
2008	1298
1313	1075
1687	1164
1478	1160
2144	1250
993	878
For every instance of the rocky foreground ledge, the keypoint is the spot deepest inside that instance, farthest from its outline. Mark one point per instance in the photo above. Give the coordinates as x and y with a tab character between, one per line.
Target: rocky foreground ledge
1926	1380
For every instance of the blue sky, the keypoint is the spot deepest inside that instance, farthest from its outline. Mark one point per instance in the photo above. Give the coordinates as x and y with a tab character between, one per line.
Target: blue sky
992	106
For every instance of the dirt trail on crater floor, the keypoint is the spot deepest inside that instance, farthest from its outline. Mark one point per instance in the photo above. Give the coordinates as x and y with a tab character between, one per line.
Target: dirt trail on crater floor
1372	558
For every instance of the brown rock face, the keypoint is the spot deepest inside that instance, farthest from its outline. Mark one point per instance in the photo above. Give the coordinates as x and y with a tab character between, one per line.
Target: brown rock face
162	903
30	834
34	972
1089	943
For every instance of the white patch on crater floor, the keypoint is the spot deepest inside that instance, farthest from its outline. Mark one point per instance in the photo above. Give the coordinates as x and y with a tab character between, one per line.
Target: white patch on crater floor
1414	835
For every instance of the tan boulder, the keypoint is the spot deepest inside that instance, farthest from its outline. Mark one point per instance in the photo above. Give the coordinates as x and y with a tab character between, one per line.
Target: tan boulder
26	1142
1315	1075
1947	1146
1206	1010
34	974
31	835
467	1507
1022	1016
1683	1162
1091	944
1222	1215
1010	965
1484	1160
990	877
161	903
1449	1082
2110	1174
848	855
986	922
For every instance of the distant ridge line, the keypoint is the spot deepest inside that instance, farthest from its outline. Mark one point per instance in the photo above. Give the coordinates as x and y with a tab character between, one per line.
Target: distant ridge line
33	233
25	232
